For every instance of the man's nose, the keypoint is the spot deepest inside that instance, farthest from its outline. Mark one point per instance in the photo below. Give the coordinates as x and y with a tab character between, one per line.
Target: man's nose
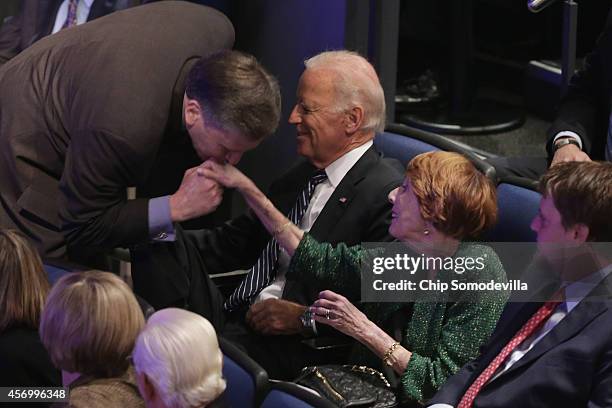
392	195
294	117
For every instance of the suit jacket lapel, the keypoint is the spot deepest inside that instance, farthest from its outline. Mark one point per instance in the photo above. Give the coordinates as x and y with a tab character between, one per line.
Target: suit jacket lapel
284	192
46	13
343	195
101	8
572	324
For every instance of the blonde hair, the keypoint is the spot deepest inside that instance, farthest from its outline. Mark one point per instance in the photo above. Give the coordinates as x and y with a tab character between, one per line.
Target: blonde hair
23	282
178	351
356	84
90	323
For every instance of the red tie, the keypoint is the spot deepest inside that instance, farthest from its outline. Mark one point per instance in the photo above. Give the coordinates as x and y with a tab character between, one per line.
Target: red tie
71	17
527	330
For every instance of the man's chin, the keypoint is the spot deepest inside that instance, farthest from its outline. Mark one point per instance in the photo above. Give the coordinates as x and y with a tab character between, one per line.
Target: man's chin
303	151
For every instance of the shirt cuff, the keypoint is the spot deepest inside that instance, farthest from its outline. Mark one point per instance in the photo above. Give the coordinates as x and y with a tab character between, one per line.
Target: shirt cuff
160	221
440	406
568	133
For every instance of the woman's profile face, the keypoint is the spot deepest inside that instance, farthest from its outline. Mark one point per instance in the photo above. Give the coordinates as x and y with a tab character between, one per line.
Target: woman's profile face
407	224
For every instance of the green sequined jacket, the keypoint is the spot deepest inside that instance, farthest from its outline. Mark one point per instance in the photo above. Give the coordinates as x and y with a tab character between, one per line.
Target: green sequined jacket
441	335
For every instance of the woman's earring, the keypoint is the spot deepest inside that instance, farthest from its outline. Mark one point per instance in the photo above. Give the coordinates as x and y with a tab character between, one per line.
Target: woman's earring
425	231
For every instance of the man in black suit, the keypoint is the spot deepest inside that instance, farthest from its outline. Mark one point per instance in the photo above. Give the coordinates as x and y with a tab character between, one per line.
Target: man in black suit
131	99
556	354
39	18
583	127
340	106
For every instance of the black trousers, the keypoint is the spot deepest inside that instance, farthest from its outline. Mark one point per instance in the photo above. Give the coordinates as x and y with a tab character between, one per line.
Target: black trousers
529	167
173	274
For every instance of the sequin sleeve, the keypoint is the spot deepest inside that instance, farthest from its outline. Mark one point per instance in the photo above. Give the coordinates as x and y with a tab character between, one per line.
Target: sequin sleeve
336	268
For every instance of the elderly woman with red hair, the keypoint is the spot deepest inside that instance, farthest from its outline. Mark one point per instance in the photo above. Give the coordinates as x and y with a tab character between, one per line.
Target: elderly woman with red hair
443	202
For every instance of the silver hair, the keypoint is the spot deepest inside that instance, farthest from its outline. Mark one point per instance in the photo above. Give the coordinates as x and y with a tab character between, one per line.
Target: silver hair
178	351
356	84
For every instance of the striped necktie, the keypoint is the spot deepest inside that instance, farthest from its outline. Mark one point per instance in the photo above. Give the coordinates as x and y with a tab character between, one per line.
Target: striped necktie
264	271
71	16
533	324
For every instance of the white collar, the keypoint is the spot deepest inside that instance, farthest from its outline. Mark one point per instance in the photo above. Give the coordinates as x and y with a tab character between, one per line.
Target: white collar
339	167
578	290
88	3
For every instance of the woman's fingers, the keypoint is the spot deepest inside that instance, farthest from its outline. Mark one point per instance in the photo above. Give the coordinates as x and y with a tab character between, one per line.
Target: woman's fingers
330	295
328	304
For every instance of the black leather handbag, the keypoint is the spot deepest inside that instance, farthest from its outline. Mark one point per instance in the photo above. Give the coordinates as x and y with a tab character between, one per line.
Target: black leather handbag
349	385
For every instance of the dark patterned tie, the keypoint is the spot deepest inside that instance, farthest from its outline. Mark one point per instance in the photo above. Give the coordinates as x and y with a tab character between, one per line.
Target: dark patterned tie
71	17
264	271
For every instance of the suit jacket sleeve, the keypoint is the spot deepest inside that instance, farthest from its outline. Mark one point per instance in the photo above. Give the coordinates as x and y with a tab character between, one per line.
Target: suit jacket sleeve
98	168
582	106
232	246
380	215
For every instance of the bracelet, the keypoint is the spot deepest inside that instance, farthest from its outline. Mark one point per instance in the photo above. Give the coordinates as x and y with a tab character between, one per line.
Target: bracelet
564	141
281	228
389	353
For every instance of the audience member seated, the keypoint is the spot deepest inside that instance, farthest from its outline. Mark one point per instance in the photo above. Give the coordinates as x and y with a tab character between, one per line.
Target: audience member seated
338	192
443	200
37	19
178	361
582	129
24	362
89	326
558	353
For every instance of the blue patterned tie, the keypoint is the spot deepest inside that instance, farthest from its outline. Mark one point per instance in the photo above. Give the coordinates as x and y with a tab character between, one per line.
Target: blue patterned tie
263	272
71	17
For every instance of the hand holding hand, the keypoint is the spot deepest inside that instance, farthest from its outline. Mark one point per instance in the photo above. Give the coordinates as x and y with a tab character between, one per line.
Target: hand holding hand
275	316
224	174
336	311
568	153
195	197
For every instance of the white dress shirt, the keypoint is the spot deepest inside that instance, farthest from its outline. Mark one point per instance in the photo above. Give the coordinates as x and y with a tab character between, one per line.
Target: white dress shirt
335	173
83	8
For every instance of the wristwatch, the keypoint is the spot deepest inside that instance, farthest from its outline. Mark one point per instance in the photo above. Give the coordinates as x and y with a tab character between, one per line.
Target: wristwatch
309	326
564	141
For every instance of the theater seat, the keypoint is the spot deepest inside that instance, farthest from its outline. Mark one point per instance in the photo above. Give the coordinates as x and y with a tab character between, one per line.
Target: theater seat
247	382
403	143
290	395
517	201
56	268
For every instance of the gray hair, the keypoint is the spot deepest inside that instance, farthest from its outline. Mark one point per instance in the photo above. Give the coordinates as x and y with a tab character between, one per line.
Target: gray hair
179	353
356	84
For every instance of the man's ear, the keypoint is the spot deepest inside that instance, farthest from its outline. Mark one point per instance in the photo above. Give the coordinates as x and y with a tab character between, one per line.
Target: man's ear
580	232
353	120
193	112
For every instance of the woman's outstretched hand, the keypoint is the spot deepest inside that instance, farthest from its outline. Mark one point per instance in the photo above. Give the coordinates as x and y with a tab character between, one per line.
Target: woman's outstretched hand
224	174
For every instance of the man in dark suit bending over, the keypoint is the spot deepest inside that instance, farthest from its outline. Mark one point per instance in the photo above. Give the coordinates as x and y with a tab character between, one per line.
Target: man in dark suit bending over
338	194
130	99
558	353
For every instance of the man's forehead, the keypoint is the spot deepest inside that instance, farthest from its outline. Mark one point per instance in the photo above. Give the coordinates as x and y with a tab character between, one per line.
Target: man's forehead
316	83
547	205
